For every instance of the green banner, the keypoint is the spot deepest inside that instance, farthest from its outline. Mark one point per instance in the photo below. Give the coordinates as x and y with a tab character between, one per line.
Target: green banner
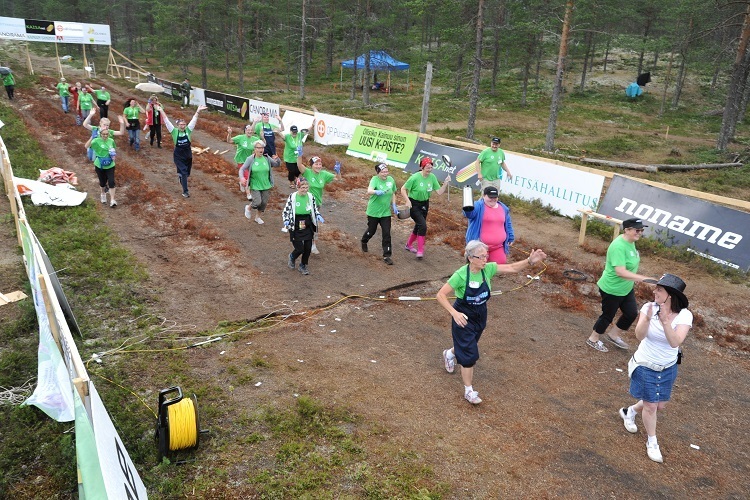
384	146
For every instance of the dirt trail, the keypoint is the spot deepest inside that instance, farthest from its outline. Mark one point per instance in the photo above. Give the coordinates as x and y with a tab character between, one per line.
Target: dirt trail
548	425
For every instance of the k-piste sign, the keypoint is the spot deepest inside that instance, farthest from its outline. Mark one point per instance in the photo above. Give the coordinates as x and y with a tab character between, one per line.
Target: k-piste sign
712	231
386	146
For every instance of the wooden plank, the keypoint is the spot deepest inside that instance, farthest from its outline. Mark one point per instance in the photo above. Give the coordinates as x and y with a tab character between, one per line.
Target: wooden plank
11	297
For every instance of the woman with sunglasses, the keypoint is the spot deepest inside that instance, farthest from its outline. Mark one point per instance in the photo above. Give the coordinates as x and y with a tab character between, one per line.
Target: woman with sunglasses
471	285
616	287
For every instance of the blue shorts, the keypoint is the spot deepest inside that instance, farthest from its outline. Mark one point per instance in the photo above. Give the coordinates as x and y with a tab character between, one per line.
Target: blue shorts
652	386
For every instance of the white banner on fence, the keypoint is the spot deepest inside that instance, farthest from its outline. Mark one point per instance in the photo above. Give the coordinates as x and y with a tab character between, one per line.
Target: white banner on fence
333	130
68	32
302	120
258	107
565	189
97	34
197	97
12	28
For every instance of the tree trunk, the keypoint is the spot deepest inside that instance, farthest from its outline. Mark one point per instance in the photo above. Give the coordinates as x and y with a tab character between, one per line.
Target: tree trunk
731	108
499	22
530	49
459	71
681	74
426	98
366	77
606	54
646	30
549	143
240	47
302	47
539	54
589	41
666	84
474	96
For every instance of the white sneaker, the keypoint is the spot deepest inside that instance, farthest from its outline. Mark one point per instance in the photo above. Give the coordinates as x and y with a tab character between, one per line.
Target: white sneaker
259	220
654	453
249	196
247	212
473	397
450	363
104	197
315	250
629	423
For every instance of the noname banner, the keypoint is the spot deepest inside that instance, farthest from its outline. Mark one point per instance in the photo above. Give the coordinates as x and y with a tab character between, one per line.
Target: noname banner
384	146
712	231
333	130
38	30
462	170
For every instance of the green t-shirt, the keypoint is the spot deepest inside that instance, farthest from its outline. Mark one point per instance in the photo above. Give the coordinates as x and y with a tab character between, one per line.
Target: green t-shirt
489	163
290	147
63	89
102	95
302	205
420	188
259	128
132	112
620	253
85	101
260	170
101	148
458	280
9	80
318	182
176	133
245	146
380	206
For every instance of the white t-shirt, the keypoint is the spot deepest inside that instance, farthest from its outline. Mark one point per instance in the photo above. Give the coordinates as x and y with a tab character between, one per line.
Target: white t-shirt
655	347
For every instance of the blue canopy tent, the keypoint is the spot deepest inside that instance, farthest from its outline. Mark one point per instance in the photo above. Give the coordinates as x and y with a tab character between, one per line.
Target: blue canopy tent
380	60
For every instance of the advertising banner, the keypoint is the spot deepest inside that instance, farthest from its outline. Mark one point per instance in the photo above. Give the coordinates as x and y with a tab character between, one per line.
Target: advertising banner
68	32
331	130
712	231
40	31
214	100
12	28
301	120
238	107
258	107
564	189
462	171
385	146
96	34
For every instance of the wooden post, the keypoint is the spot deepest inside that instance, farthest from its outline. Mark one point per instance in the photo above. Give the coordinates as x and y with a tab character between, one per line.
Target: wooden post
426	98
53	326
582	235
59	65
28	60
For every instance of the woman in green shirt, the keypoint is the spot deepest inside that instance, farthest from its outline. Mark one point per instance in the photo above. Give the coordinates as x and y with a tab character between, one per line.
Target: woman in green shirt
104	164
9	83
131	114
382	191
417	192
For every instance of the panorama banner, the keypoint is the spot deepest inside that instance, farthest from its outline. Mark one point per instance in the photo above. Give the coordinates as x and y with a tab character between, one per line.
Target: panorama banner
39	30
383	146
712	231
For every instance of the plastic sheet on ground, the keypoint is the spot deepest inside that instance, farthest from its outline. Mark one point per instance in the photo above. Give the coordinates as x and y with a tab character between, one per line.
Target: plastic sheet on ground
61	195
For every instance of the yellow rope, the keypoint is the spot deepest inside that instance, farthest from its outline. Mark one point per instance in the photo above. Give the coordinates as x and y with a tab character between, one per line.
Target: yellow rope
183	426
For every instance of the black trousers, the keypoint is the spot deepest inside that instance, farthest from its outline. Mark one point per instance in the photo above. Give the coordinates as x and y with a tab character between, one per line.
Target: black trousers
292	171
303	248
418	214
106	177
610	305
385	227
155	130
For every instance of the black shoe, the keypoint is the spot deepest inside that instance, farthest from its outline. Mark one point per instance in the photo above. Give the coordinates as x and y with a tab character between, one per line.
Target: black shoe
186	195
291	263
303	269
388	261
158	146
364	246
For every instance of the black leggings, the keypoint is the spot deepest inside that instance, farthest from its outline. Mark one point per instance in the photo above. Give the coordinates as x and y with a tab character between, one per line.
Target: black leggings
292	171
106	176
302	248
418	214
155	130
610	305
9	89
385	226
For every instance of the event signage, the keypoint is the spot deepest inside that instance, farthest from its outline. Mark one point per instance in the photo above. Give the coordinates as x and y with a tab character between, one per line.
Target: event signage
333	130
12	28
712	231
258	107
40	31
214	100
236	106
562	188
462	167
386	146
37	30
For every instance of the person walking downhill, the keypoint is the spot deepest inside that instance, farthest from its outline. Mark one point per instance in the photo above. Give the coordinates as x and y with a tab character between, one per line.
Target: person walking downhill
662	327
417	192
132	114
102	101
75	92
318	179
104	165
154	120
245	143
616	287
382	191
292	151
257	171
10	85
301	217
472	287
85	102
62	89
267	131
103	124
488	165
183	155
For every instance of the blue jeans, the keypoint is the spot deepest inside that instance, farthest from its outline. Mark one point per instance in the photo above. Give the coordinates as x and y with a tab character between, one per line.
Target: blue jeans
135	138
64	100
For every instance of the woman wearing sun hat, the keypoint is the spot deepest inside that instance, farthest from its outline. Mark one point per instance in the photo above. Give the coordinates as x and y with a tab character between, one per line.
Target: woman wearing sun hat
416	192
616	286
662	327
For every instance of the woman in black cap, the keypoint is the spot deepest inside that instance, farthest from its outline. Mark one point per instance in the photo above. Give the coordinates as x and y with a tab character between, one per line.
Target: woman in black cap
616	286
662	327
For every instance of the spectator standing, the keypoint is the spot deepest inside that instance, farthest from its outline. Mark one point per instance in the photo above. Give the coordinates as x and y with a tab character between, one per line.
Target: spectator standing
185	89
490	223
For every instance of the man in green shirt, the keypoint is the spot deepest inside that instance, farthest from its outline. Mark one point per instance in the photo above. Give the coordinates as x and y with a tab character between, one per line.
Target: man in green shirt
488	165
62	88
